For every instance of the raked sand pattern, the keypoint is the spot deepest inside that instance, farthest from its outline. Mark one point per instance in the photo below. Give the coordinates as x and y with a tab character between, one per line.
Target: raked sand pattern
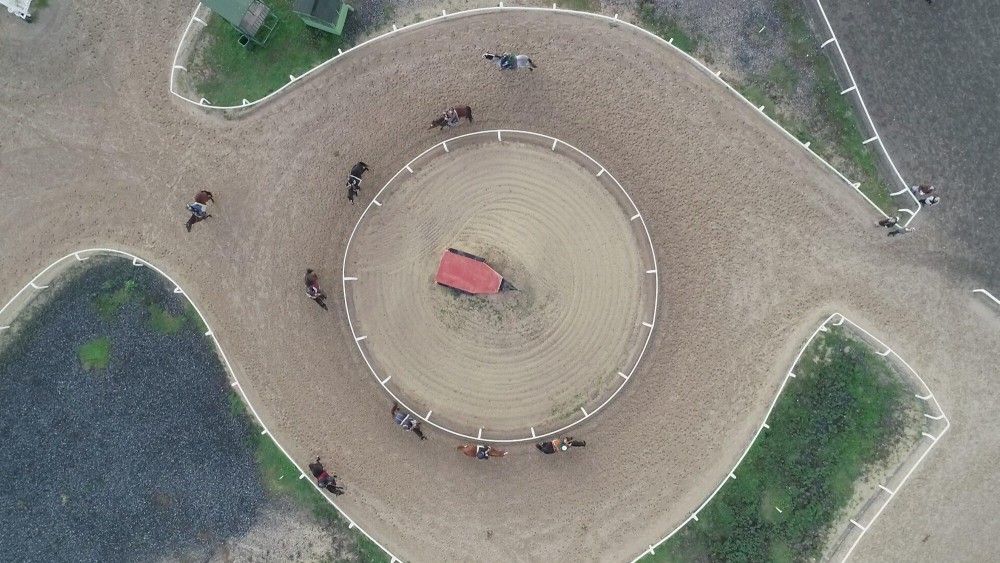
519	359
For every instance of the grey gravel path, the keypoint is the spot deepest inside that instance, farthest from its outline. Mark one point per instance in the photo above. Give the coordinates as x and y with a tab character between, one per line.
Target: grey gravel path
929	74
131	463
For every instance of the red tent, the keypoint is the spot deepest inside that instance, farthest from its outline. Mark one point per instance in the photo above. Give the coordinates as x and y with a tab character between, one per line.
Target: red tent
466	272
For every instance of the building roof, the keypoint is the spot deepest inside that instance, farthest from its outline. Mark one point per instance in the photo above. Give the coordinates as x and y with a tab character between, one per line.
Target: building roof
465	273
326	11
230	10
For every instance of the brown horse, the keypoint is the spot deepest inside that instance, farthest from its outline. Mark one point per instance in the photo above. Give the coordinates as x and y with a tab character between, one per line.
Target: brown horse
458	113
480	451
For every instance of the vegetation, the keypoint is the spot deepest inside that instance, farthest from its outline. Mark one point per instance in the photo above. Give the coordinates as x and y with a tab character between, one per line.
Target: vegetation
226	72
122	288
840	417
280	477
581	5
96	354
666	27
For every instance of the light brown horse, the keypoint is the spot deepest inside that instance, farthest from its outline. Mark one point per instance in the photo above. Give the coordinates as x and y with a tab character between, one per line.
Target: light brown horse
473	450
442	121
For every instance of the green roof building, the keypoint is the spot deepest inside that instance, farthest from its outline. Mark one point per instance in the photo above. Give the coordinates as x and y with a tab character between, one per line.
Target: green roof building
328	15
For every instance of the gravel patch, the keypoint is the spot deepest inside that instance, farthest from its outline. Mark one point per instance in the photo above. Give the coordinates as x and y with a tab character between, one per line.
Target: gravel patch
141	459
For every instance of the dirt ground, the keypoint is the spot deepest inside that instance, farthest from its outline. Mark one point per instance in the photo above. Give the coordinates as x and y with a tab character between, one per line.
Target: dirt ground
527	358
754	240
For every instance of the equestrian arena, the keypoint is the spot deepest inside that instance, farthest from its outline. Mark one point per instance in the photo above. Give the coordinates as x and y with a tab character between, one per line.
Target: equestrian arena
754	241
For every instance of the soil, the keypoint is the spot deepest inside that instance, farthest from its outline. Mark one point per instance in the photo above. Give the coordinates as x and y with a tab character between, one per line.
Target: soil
539	354
755	240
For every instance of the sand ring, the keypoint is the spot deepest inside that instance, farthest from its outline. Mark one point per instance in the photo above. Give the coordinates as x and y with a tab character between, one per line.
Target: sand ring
519	364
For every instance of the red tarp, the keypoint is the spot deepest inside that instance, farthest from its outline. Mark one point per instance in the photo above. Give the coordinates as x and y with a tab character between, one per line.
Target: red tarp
467	274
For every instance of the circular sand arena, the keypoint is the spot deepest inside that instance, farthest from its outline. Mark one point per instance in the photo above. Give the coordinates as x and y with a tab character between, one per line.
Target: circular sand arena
519	363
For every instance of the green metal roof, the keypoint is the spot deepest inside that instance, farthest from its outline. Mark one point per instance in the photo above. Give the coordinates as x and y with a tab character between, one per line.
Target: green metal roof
326	11
230	10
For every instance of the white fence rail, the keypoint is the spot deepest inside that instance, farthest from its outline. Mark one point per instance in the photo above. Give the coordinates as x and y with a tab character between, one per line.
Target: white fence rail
871	124
497	135
80	256
715	75
927	396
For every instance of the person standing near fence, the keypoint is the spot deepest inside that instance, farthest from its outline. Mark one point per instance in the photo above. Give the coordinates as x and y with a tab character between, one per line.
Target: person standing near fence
889	222
930	200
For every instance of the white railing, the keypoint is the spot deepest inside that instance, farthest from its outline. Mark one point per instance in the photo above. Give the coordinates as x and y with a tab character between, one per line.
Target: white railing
987	294
871	124
928	397
136	261
716	75
552	143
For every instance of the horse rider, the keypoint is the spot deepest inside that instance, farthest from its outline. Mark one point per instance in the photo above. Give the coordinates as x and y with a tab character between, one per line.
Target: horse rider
559	445
199	209
451	117
508	61
406	422
483	452
313	290
323	479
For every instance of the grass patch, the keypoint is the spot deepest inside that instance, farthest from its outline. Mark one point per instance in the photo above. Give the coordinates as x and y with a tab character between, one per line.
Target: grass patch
40	4
110	300
163	322
841	417
581	5
666	27
226	72
96	354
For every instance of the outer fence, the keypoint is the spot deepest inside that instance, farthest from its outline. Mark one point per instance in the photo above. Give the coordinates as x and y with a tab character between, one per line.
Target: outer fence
887	491
875	138
80	256
716	75
987	294
498	135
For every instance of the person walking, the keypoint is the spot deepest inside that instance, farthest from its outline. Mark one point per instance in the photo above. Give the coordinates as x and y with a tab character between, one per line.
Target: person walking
313	290
889	222
930	200
901	231
921	190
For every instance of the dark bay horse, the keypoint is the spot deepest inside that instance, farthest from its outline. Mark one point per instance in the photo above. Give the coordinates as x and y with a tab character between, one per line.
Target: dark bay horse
457	112
559	445
323	479
354	180
406	422
199	209
313	290
479	451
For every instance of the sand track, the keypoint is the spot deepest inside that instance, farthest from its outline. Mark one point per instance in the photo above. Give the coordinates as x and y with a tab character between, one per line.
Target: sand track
532	358
754	240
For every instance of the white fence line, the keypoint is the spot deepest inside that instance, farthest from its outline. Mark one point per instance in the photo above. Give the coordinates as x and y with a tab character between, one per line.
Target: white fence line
715	75
136	261
871	124
929	396
987	294
488	136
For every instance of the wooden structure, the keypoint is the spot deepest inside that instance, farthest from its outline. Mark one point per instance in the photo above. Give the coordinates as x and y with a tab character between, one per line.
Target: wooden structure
252	18
327	15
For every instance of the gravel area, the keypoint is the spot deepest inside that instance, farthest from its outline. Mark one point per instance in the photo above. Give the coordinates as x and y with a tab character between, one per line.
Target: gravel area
139	460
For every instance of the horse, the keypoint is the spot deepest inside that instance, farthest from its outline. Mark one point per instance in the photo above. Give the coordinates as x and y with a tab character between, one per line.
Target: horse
199	209
458	113
354	180
406	422
559	445
323	479
480	451
313	290
508	61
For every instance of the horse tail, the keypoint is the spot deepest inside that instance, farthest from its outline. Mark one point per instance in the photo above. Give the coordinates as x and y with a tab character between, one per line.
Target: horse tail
469	110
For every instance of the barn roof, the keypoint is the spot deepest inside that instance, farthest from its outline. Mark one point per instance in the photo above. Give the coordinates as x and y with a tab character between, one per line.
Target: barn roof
467	273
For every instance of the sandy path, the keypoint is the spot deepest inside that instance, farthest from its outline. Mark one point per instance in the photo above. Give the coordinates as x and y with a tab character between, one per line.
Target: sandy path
504	363
754	241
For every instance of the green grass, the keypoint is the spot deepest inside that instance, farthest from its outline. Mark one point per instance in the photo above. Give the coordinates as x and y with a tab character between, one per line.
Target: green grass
108	303
280	477
667	28
96	354
226	72
581	5
841	416
163	322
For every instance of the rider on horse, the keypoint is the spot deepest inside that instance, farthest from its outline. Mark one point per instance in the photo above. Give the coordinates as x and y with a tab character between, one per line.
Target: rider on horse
559	445
508	61
406	422
483	452
451	117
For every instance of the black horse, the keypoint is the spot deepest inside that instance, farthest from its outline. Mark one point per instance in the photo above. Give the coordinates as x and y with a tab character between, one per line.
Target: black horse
354	180
559	445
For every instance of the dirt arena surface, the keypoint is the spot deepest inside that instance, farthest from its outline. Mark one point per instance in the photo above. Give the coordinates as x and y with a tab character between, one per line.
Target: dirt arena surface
527	358
754	240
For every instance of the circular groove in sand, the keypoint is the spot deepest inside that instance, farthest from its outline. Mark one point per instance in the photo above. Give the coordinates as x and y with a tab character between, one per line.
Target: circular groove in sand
524	365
